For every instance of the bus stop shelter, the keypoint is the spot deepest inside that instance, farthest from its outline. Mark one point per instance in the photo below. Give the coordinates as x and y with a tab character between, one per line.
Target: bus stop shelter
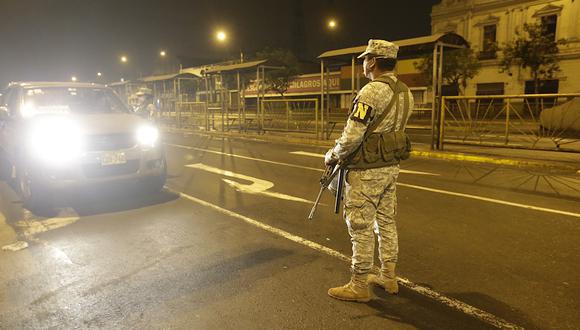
219	96
408	48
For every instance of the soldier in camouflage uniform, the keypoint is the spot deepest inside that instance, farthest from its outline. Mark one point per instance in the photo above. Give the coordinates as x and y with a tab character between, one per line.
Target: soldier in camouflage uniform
370	202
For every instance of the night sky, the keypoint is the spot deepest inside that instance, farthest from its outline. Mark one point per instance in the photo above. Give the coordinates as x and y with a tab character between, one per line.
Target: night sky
55	39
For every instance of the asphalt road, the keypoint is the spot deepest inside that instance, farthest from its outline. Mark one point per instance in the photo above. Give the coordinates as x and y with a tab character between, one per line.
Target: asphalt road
227	245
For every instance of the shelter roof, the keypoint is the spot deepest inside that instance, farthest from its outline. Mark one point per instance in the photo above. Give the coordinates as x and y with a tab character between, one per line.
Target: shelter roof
406	46
234	67
168	77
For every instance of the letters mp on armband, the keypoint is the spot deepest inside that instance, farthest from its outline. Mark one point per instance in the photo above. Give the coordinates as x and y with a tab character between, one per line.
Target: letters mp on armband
361	112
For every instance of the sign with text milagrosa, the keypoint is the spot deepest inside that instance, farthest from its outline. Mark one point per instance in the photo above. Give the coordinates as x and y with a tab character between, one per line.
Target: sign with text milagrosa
302	84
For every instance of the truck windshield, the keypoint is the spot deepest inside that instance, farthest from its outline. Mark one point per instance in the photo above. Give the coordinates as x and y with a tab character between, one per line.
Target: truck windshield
65	100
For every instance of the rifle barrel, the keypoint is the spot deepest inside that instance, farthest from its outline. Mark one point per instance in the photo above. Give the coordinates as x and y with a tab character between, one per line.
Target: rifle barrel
311	215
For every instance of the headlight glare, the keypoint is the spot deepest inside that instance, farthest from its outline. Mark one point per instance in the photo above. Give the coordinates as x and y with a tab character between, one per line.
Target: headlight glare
147	136
55	140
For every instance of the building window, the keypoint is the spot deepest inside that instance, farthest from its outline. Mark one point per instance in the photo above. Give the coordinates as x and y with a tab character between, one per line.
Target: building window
492	106
490	89
488	49
549	24
450	90
545	87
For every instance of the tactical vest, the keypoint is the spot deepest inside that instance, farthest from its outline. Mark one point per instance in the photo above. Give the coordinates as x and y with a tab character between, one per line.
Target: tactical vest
381	149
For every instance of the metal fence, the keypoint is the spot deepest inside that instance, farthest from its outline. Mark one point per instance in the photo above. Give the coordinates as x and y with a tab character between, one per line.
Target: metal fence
184	115
540	122
191	114
290	115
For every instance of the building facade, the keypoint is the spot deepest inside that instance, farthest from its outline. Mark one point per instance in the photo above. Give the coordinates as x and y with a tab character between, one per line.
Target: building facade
487	23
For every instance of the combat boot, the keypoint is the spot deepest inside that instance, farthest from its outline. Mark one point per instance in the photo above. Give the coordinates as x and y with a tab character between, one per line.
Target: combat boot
387	279
356	290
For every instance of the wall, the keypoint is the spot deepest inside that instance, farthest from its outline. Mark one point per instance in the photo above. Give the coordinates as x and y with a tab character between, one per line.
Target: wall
467	18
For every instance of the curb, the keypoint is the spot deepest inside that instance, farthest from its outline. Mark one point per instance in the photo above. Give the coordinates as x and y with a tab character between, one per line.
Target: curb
526	164
441	155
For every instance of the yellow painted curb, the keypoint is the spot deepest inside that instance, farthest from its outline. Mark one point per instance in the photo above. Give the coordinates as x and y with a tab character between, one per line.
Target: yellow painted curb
496	161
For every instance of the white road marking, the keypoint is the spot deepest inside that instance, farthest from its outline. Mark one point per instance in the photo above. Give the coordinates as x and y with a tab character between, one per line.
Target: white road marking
491	200
485	199
257	186
447	301
245	157
312	154
280	163
309	154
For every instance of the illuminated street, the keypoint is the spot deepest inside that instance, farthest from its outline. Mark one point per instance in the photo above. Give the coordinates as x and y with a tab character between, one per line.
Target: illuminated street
235	250
252	164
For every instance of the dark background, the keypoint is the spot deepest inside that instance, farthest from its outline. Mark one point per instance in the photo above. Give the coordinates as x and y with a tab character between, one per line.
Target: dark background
55	39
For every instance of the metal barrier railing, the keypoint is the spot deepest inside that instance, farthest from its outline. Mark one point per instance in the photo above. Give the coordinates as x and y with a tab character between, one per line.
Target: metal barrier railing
538	121
191	114
291	115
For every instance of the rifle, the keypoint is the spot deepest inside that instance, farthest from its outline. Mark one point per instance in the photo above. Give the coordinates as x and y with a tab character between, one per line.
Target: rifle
329	174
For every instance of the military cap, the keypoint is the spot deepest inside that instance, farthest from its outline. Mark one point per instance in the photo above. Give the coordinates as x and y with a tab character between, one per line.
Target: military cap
381	48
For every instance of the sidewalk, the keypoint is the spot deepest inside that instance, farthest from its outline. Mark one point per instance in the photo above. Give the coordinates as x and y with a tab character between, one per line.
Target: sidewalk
552	161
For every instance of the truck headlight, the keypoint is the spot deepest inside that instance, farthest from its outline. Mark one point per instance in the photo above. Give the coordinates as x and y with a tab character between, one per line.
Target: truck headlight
147	136
55	140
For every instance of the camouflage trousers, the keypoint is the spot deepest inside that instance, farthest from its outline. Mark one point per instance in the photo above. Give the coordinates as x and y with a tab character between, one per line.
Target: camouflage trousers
370	207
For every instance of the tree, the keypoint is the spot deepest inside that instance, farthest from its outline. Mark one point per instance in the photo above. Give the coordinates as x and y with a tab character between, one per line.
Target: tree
536	51
459	65
278	80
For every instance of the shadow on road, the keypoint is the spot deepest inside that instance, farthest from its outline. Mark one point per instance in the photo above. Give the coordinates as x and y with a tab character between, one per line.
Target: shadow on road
409	307
116	199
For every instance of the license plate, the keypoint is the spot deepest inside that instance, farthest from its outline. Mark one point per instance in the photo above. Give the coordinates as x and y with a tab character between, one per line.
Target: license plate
113	158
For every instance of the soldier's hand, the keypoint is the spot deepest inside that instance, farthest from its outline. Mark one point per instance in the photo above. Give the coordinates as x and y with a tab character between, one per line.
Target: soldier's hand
330	158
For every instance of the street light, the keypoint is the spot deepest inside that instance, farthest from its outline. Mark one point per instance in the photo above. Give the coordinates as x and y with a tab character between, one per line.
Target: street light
332	24
221	36
73	78
124	59
99	74
162	53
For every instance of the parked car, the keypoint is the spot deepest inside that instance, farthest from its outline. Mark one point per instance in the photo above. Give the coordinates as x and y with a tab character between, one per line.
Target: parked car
59	135
562	120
